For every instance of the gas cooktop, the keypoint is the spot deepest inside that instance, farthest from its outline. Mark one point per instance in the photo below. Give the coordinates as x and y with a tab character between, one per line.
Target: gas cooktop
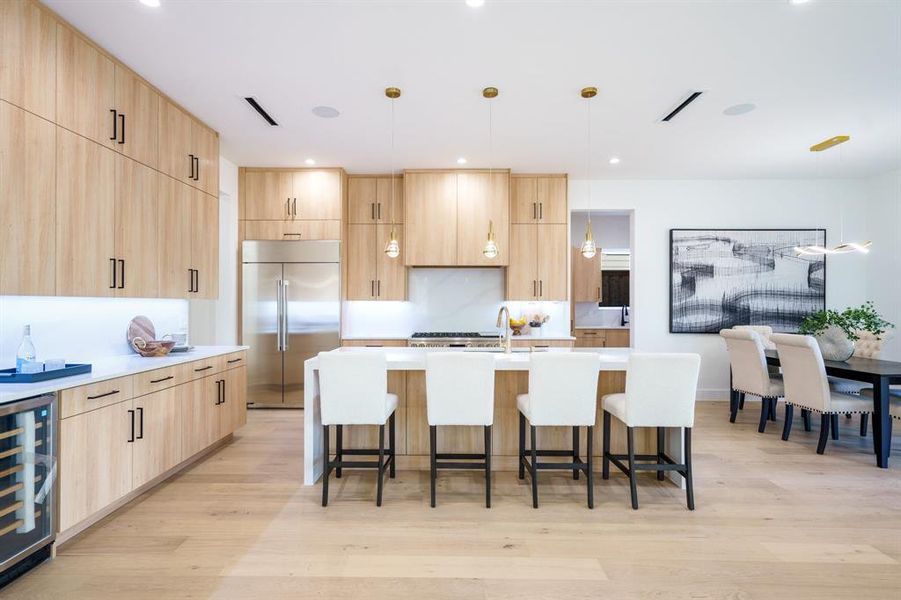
453	334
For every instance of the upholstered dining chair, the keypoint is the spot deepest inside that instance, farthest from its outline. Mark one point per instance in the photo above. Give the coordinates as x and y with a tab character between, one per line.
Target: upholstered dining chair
353	390
750	374
868	345
807	387
764	331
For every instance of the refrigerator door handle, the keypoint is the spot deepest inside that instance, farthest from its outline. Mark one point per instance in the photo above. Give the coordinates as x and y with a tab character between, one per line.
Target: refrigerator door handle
285	315
279	317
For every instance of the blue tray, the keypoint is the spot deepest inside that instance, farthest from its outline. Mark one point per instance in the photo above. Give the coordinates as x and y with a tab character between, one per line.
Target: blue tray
10	375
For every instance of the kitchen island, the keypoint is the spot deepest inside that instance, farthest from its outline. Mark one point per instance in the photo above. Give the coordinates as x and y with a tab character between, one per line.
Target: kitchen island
406	378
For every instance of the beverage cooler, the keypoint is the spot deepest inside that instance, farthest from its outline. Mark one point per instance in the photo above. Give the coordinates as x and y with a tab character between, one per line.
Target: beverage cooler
27	477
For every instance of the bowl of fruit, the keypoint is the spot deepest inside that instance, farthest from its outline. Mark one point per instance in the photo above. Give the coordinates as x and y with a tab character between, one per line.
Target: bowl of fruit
516	325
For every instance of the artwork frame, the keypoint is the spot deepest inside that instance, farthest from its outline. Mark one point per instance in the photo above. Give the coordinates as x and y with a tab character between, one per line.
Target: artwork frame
801	301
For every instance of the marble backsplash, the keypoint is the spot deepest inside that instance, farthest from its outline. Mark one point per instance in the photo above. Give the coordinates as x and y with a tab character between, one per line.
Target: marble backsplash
454	299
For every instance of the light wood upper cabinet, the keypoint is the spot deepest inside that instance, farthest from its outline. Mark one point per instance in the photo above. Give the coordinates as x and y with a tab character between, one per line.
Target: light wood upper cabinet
586	276
538	263
370	200
138	112
85	89
539	199
137	235
205	244
175	142
86	217
95	461
553	254
482	199
390	202
28	57
268	195
205	146
317	194
430	216
362	269
175	235
292	230
391	282
27	203
156	448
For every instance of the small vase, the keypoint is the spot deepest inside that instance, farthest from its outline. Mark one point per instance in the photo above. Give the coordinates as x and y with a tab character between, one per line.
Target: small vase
537	331
835	344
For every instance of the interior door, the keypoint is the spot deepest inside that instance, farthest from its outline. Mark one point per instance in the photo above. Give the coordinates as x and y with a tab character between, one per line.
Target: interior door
313	303
260	327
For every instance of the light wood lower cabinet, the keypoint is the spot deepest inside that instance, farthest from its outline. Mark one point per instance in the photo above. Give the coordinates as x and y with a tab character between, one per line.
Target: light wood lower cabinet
292	230
113	444
602	338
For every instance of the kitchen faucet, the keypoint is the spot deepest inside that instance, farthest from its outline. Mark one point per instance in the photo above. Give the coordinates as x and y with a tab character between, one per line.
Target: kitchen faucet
506	325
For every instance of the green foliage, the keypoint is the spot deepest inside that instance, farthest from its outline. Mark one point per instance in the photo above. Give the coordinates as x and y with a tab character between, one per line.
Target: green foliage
851	321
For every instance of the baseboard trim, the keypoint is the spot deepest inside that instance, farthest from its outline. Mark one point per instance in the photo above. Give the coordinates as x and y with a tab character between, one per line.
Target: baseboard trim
64	537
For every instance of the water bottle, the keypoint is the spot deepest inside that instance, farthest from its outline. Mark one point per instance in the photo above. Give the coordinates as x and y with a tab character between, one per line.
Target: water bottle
26	352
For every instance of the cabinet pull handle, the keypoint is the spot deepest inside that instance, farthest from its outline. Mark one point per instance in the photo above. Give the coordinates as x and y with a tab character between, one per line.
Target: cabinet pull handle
104	395
140	436
599	293
163	379
131	434
191	162
287	234
206	368
115	123
196	280
372	210
122	269
540	288
112	263
288	207
190	280
541	211
379	212
534	288
233	361
294	207
378	288
224	398
535	211
197	168
122	130
372	288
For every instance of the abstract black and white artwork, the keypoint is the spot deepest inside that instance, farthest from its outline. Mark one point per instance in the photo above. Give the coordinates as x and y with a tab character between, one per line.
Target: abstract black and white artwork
720	278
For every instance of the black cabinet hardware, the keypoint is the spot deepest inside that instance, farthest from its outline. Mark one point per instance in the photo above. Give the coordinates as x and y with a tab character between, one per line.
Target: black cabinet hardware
163	379
112	263
540	288
196	168
372	210
121	128
378	288
294	207
541	211
290	234
140	436
122	269
196	280
191	161
233	361
103	395
206	368
131	435
190	280
379	213
288	207
223	392
115	123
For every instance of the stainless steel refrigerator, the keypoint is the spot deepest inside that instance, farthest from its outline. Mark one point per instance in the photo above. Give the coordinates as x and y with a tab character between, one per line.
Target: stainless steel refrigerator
291	305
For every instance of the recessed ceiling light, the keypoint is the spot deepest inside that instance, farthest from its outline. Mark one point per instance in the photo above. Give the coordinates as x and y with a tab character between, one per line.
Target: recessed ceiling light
475	3
150	3
798	1
461	161
326	112
739	109
614	160
309	161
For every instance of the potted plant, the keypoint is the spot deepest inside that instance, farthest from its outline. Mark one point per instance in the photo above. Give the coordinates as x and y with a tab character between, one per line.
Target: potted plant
836	332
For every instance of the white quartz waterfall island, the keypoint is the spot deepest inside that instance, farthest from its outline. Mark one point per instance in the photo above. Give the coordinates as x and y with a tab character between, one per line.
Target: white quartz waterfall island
406	378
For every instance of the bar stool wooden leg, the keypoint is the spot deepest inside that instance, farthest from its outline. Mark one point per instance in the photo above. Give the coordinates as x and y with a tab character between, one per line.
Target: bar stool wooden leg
433	444
381	468
391	446
325	467
661	448
689	480
589	472
488	466
605	459
630	435
576	451
522	445
339	446
789	416
534	469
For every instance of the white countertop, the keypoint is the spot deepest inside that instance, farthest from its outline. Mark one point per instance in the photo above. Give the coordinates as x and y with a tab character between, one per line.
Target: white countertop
413	359
110	368
551	337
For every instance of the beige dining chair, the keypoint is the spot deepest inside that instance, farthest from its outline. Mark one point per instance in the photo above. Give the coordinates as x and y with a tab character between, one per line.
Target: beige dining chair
750	374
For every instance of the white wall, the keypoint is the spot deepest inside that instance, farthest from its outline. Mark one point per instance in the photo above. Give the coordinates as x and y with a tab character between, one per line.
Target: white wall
216	321
661	205
884	260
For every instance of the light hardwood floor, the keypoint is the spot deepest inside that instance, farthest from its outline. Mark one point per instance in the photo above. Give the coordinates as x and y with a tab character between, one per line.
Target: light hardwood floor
774	520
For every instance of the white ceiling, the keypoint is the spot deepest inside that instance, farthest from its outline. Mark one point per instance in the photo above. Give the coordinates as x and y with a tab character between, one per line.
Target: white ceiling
813	70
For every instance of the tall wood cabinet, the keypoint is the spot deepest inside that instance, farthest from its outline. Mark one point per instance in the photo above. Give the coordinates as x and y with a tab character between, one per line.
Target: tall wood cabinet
587	286
538	263
372	200
539	199
98	217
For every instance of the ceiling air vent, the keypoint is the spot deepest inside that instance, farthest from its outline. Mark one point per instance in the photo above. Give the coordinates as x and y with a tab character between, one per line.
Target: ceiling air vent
256	106
688	100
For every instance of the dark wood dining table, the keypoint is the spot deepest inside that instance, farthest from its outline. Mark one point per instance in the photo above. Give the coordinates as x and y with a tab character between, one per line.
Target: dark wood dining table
881	374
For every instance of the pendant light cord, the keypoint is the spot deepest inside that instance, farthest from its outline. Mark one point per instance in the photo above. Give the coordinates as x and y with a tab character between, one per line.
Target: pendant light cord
393	182
588	162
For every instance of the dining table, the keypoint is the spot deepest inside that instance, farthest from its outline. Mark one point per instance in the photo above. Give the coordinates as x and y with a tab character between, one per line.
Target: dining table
881	374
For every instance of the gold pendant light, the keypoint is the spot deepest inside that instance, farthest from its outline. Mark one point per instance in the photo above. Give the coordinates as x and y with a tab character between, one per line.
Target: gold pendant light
589	249
843	247
392	248
490	250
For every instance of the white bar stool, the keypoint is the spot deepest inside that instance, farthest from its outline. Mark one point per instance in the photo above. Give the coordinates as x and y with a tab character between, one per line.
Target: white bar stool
353	390
460	391
562	392
750	374
660	392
